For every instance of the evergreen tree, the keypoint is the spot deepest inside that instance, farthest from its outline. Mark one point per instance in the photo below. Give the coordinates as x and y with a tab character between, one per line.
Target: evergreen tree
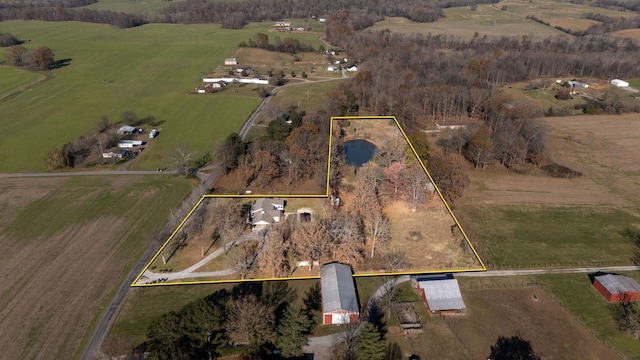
291	332
370	345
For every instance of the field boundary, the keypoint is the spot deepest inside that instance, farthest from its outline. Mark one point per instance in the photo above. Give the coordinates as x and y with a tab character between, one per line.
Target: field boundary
325	195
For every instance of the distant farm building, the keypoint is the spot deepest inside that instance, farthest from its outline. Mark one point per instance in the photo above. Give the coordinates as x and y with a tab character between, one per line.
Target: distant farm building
339	300
577	84
130	143
231	61
617	287
619	83
265	212
282	24
126	130
441	294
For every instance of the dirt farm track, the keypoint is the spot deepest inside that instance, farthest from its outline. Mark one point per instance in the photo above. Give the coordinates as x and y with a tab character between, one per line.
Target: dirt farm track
66	246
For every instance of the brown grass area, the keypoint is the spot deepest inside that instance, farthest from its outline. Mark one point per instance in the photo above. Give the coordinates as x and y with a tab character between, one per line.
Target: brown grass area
604	148
59	272
529	313
628	33
433	245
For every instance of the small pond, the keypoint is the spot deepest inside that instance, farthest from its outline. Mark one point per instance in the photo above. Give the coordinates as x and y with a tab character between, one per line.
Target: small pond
358	152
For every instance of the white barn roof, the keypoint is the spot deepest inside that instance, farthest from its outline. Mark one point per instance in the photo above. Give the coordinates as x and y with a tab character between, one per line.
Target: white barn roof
442	294
618	284
338	291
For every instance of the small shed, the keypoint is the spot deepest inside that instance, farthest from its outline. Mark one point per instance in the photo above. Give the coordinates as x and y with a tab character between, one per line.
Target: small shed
126	130
441	294
617	287
619	83
231	61
339	300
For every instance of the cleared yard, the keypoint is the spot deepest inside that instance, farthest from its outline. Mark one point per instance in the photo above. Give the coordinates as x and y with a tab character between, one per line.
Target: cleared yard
68	242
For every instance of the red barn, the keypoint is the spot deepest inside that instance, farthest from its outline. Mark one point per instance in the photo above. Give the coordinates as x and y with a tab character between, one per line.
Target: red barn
617	287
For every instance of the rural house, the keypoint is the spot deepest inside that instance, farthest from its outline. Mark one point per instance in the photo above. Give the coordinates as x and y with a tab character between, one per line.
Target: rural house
617	287
231	61
265	212
339	300
440	293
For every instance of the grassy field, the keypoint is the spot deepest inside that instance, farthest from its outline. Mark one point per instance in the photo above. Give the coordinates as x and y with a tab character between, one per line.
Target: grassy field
12	79
505	18
537	236
131	6
535	220
148	70
67	244
578	296
464	23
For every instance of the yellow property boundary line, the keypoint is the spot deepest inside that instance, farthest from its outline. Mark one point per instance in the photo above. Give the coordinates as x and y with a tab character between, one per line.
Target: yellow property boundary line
325	195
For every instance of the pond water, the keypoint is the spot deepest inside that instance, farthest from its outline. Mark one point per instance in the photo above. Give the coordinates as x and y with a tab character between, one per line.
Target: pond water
358	152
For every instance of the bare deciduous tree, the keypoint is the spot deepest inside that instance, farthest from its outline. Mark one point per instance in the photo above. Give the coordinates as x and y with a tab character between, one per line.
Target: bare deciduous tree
249	321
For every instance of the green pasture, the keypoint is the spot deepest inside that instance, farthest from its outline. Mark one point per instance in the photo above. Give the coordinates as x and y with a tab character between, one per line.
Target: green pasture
540	236
11	79
148	70
576	294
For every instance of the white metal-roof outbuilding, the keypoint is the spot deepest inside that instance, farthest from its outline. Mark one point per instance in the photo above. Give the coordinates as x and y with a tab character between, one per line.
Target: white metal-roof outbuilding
442	294
339	300
619	83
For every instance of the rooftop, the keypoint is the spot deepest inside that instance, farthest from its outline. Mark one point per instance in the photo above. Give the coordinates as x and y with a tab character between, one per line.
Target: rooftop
442	294
618	284
338	291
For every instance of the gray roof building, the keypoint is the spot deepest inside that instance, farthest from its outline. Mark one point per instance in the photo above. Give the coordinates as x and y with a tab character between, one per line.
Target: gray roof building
266	211
338	292
442	294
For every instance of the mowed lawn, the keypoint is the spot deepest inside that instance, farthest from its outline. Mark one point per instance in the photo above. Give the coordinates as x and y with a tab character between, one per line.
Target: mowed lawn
67	244
540	236
148	70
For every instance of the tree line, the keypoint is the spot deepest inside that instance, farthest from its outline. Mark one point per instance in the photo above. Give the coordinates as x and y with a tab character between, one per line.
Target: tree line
286	45
252	319
59	13
230	14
